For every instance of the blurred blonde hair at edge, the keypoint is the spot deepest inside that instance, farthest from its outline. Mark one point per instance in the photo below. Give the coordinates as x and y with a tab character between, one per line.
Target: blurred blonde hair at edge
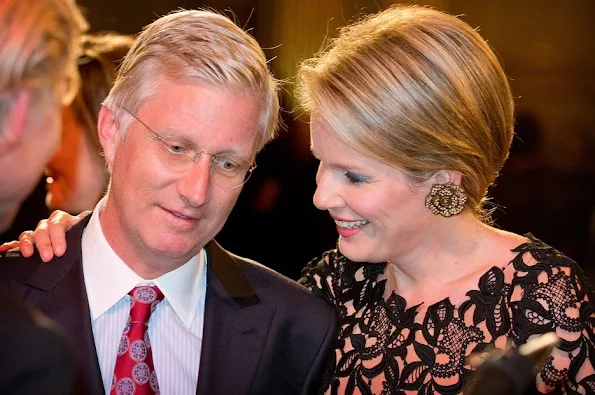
421	92
40	45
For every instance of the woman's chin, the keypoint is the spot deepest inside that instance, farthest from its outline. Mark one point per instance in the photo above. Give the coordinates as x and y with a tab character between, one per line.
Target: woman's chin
359	253
353	254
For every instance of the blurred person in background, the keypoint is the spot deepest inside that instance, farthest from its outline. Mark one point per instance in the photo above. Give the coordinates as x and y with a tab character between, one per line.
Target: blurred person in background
77	174
412	119
38	52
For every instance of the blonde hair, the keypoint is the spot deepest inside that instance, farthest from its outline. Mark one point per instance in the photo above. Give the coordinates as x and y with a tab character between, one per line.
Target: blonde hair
38	51
417	89
196	44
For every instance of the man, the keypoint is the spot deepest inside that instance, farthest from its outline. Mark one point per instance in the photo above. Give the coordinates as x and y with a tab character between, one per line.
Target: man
38	52
192	105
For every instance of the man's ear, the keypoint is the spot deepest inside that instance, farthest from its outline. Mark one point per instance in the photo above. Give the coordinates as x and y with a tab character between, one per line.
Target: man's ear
109	134
16	121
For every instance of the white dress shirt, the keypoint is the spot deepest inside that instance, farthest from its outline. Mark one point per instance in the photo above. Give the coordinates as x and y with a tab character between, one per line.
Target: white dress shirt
176	325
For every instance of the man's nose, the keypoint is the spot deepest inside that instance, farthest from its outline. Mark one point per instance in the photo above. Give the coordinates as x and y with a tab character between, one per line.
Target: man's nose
194	185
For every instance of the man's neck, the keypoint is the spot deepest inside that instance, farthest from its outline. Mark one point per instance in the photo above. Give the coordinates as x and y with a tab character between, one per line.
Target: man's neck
142	261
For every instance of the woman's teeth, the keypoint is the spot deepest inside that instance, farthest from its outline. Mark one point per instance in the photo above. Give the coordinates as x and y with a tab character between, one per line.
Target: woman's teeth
350	224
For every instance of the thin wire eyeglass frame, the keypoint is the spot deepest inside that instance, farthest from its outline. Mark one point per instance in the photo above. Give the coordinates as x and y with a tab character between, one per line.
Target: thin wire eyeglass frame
214	157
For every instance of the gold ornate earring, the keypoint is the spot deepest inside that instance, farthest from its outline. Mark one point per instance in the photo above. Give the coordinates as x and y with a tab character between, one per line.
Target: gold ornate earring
446	199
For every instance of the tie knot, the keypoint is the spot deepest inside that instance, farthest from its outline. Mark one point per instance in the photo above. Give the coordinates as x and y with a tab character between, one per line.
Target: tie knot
143	300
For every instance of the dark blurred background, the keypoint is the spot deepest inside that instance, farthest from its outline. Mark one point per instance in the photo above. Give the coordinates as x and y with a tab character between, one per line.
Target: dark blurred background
545	188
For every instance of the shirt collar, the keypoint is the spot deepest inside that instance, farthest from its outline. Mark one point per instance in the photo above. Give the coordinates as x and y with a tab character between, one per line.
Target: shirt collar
108	279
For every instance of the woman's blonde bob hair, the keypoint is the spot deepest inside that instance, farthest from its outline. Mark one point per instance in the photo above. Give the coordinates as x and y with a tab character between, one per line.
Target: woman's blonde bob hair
417	89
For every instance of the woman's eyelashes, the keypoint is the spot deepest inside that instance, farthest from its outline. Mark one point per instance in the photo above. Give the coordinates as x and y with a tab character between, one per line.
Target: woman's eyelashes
355	178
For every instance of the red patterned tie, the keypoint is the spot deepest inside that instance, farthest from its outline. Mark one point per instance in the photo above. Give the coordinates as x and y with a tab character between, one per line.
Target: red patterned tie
134	372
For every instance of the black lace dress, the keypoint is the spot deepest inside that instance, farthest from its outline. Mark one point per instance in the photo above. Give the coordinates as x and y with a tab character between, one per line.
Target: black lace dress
386	347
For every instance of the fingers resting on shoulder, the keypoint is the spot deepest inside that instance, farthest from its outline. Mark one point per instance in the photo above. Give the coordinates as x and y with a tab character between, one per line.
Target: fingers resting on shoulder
49	236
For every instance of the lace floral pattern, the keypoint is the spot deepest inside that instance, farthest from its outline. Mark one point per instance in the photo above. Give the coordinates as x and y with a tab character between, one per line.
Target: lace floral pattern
386	347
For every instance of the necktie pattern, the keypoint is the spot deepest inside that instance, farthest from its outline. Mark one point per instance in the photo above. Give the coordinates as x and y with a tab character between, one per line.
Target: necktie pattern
134	373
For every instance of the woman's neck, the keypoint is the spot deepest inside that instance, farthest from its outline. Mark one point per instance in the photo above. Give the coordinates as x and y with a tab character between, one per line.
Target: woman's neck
444	254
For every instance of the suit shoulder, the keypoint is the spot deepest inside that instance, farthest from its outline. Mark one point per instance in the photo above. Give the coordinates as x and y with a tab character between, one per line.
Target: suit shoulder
287	290
17	317
14	255
13	264
41	354
262	274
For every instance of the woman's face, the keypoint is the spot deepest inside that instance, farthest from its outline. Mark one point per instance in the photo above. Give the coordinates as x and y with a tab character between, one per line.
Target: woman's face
76	174
379	213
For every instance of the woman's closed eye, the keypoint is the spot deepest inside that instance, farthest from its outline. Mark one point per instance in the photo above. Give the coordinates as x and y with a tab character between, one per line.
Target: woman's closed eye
355	178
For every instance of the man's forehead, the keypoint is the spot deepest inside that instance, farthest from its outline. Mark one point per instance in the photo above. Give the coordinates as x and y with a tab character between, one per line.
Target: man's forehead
167	89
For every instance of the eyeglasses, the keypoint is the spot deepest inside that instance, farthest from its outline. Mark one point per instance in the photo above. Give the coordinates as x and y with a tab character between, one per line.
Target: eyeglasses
230	171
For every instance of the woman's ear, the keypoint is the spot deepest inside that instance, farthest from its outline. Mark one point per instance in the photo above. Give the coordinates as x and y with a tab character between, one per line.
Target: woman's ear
109	134
446	176
445	196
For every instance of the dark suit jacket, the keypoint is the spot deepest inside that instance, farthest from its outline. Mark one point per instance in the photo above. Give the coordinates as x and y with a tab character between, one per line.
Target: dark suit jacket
34	356
263	333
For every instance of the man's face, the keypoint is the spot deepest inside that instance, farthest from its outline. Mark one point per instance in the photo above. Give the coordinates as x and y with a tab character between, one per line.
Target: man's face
160	217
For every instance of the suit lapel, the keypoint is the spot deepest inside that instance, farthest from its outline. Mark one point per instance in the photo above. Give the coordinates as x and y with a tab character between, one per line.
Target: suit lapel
58	290
236	326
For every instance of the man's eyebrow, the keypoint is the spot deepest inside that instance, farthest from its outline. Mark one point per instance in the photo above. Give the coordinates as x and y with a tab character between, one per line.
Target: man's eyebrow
169	131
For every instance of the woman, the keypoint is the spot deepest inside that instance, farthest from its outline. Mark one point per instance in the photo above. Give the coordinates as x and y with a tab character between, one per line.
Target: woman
77	175
411	119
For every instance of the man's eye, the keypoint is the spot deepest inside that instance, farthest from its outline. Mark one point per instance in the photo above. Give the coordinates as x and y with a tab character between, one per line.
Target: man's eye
175	148
227	164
